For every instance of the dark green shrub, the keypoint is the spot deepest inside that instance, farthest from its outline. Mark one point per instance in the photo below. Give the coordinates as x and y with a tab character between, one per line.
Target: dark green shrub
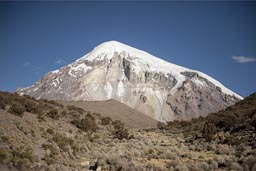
53	113
31	106
88	123
2	103
17	109
50	131
106	120
3	155
64	112
249	163
120	131
74	108
62	141
160	125
76	122
208	131
52	157
41	117
5	139
22	158
233	140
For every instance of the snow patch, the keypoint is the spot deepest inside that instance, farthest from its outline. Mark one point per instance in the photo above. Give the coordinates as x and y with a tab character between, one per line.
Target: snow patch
120	89
198	82
96	87
81	68
159	97
108	89
217	83
56	82
35	89
55	71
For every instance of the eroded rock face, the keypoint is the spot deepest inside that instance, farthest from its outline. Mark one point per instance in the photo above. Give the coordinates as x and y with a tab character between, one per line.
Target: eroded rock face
155	87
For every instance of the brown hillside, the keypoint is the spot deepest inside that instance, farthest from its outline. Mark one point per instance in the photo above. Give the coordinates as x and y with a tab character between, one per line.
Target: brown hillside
117	111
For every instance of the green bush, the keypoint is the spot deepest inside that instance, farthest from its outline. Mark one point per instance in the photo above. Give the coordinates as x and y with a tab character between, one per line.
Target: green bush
62	141
17	109
249	163
208	131
22	158
2	103
52	157
50	131
160	125
88	123
74	108
120	131
29	105
76	122
106	120
53	113
3	155
5	139
41	117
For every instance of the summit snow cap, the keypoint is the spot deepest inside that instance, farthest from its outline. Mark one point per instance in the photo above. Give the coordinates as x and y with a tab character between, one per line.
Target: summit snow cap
149	63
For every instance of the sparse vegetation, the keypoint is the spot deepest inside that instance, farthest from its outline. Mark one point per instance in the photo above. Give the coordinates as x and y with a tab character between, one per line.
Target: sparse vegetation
22	158
17	109
63	137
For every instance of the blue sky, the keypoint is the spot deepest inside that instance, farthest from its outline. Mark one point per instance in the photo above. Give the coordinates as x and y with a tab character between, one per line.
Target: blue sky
217	38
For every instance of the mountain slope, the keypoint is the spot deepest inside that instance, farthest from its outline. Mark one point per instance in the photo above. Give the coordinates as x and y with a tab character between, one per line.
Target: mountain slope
116	111
161	90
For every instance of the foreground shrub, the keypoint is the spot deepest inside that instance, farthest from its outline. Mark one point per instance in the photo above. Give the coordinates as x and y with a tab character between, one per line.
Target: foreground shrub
17	109
120	131
22	158
51	158
249	163
62	141
88	123
53	113
106	120
3	155
208	131
2	103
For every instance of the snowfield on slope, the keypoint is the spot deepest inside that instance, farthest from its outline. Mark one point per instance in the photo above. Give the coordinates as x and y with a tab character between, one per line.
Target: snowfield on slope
107	50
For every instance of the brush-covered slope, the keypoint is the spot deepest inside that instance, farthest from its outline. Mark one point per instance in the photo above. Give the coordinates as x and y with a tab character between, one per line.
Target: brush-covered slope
235	125
157	88
46	135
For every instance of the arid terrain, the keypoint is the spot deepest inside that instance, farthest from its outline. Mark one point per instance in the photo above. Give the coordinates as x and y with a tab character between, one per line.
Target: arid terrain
117	111
46	135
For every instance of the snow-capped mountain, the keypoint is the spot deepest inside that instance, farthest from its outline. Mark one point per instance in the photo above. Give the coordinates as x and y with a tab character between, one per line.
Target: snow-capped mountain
160	89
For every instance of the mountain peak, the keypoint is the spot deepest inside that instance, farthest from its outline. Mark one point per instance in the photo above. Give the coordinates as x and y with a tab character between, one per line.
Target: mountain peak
112	43
113	70
107	49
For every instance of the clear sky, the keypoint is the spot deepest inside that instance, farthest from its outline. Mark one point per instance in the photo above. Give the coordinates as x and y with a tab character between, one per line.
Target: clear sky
217	38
